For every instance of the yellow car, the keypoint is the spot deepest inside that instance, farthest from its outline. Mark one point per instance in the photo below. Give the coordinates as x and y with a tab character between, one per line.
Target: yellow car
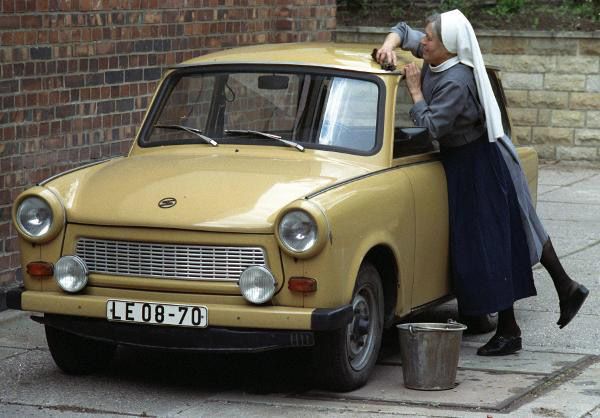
275	196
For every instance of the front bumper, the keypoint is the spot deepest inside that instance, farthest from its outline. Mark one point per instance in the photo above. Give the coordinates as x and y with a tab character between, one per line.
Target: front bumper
255	328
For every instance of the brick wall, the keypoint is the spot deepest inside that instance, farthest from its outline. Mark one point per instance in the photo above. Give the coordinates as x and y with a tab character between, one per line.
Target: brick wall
76	75
552	83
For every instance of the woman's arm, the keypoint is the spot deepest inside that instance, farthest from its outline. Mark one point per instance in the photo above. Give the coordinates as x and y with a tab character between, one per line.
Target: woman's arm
439	116
402	36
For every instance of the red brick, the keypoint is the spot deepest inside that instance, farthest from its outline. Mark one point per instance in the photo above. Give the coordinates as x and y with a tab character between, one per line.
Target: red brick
31	21
41	5
10	22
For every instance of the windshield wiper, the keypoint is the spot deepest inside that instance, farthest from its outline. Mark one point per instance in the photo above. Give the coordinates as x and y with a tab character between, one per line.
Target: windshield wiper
191	130
265	135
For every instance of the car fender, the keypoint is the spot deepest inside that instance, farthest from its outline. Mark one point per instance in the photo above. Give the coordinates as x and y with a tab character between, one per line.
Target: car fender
375	210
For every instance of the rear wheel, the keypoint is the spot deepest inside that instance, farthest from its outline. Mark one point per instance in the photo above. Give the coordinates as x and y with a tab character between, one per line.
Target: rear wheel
346	357
78	355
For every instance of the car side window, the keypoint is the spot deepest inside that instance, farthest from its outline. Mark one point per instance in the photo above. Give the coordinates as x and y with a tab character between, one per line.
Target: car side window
350	118
407	140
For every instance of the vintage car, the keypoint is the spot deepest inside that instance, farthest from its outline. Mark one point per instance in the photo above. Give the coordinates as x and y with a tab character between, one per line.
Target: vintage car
275	196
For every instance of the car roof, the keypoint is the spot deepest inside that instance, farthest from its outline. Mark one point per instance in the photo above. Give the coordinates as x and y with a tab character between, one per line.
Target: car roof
347	56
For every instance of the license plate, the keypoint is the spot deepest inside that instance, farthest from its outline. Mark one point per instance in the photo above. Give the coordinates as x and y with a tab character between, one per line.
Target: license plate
157	313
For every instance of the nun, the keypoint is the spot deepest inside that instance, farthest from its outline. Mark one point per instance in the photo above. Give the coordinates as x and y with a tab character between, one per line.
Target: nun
495	233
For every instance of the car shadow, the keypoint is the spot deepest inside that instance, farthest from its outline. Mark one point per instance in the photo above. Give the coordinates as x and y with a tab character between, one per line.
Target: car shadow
278	371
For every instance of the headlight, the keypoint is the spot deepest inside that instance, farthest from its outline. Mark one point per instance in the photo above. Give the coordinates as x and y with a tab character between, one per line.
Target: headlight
298	231
257	284
38	215
71	273
302	229
34	216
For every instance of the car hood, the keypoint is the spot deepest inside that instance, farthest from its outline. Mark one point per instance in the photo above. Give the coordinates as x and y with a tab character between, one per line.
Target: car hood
212	192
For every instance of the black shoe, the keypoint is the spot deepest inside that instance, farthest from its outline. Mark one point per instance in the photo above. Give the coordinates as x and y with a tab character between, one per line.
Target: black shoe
570	306
500	346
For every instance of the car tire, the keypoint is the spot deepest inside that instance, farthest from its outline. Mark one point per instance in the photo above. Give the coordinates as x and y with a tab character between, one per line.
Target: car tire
479	324
78	355
346	357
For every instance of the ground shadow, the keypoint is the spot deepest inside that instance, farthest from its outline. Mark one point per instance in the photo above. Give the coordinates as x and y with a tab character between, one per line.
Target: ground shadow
279	371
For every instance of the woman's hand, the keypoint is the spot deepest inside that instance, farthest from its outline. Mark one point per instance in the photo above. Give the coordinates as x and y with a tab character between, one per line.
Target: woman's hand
386	54
412	73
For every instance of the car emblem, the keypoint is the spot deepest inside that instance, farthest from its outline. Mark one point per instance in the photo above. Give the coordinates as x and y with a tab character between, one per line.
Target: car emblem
167	202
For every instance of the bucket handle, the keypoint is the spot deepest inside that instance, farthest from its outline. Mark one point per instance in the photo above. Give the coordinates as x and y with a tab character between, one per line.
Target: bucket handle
412	328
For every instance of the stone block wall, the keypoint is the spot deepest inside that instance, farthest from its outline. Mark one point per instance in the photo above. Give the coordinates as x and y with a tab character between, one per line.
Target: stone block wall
76	76
552	84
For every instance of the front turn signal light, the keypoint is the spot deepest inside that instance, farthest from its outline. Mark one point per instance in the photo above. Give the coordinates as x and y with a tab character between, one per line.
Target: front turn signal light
40	269
302	284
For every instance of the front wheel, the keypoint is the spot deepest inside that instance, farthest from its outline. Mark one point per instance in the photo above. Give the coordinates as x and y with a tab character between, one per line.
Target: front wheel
78	355
346	357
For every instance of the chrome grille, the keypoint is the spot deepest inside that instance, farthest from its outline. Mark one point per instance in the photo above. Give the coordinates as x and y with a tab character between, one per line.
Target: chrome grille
187	262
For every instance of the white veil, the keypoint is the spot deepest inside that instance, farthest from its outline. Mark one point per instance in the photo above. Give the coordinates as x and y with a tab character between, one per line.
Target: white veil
459	38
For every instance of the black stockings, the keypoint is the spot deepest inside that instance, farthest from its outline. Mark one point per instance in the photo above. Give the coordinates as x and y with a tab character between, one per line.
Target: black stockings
560	278
507	324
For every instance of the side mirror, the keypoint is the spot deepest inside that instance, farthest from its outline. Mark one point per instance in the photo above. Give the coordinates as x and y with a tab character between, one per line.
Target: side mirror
411	141
410	134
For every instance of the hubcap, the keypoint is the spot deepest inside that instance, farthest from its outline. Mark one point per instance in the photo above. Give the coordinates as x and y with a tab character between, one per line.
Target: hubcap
361	331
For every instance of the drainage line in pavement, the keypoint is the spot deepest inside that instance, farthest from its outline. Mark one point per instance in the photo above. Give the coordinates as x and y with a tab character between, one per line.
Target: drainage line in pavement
76	409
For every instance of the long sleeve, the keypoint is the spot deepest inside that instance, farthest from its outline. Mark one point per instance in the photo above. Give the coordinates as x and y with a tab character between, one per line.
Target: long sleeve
439	117
410	39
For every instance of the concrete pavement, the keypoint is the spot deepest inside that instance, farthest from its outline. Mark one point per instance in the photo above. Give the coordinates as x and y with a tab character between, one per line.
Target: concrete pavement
556	375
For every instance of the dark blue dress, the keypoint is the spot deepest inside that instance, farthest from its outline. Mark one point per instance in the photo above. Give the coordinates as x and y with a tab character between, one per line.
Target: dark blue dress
488	248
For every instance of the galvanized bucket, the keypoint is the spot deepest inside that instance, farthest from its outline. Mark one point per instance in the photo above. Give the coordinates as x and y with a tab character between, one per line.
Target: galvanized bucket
430	354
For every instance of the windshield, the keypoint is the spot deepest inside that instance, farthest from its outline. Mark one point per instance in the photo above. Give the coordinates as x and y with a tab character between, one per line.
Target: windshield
315	110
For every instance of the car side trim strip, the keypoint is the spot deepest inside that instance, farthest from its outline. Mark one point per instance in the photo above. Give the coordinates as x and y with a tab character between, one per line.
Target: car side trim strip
81	167
364	176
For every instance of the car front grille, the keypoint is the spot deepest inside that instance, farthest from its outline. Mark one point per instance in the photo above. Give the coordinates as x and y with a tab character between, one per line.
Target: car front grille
169	261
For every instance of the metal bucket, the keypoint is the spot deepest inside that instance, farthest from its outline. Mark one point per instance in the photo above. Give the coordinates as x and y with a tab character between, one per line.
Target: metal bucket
430	354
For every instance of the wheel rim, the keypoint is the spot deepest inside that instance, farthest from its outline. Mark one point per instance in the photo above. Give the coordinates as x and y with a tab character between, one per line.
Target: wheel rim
360	339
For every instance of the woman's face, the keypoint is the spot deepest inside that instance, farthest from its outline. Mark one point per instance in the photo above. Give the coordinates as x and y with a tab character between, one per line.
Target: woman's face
434	52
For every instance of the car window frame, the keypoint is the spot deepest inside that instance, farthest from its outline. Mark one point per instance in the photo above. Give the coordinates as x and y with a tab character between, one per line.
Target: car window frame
171	79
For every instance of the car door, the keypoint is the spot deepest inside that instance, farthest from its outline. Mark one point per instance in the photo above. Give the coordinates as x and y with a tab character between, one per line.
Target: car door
419	160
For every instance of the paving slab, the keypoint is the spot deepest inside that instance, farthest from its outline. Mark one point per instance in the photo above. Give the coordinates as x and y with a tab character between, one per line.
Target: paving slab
585	191
578	396
475	389
564	175
571	211
15	331
529	362
575	394
482	383
569	236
